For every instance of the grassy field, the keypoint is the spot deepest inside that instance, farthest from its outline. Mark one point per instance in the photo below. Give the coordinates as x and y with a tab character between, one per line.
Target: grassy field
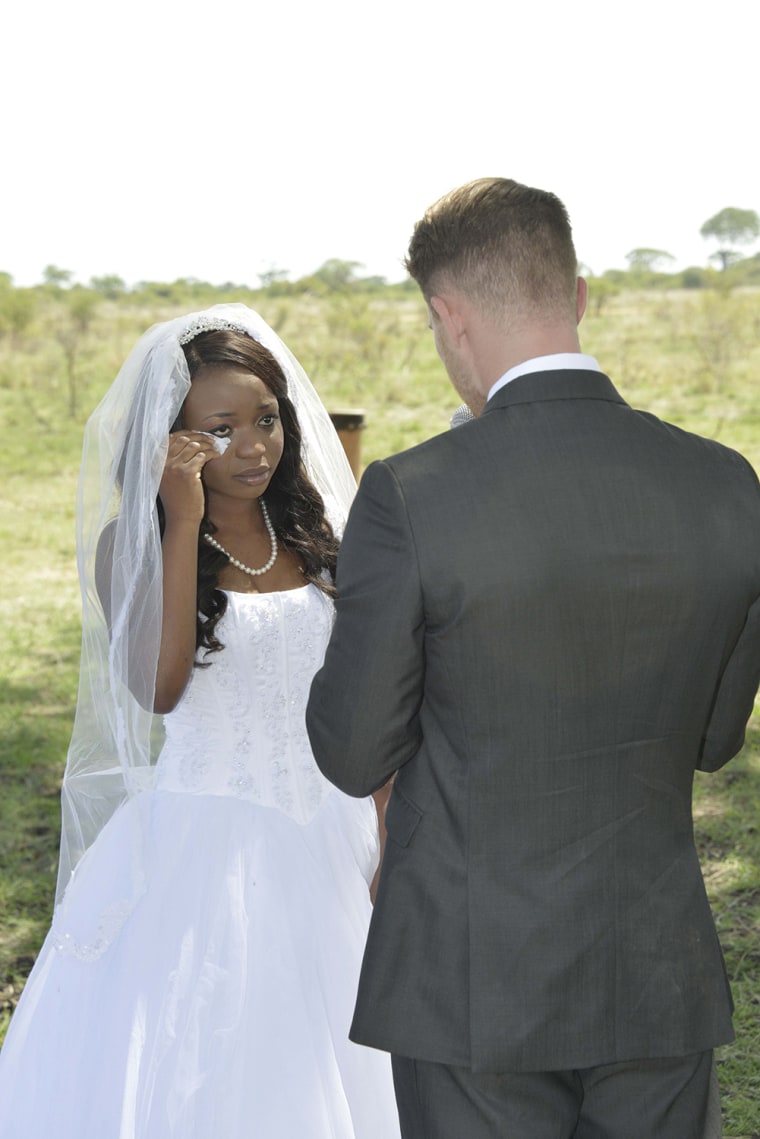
691	357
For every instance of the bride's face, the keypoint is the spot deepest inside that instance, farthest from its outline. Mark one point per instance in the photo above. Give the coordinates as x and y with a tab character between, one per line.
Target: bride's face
231	403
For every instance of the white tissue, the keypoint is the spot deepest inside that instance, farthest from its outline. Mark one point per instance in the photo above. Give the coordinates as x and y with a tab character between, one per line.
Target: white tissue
220	445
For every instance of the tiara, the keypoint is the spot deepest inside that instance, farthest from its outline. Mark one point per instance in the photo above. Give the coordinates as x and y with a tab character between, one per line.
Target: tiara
205	323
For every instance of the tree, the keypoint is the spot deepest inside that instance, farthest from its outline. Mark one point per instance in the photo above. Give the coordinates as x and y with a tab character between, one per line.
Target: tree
726	257
17	309
731	227
338	275
78	313
601	290
56	277
111	286
648	260
272	276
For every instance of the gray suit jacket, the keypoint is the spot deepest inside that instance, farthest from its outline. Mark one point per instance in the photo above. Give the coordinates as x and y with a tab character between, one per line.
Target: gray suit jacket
547	619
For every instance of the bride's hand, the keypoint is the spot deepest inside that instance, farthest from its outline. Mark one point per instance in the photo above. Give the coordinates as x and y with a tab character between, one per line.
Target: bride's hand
181	489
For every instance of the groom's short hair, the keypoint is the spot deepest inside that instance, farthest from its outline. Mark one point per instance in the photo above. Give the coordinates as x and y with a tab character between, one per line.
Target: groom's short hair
500	243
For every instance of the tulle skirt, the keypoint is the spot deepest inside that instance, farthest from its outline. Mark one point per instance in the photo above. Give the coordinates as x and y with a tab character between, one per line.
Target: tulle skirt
221	1006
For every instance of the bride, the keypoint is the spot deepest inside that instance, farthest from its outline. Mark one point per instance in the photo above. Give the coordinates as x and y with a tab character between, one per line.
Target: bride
199	977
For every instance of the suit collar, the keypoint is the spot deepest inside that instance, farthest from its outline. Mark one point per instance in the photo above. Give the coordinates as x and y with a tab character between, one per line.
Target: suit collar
561	383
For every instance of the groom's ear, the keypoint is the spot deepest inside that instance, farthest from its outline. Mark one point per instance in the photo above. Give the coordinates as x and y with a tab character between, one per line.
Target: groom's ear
436	306
447	312
581	299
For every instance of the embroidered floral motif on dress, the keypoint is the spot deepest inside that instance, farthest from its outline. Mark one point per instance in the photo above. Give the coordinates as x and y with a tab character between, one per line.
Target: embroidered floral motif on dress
247	709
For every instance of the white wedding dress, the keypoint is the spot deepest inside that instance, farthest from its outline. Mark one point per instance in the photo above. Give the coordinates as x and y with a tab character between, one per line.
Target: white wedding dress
216	1004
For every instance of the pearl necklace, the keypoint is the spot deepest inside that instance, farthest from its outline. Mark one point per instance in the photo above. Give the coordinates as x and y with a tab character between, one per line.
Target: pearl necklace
233	561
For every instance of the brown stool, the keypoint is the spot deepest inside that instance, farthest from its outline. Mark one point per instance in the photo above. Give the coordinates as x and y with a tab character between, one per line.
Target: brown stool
349	423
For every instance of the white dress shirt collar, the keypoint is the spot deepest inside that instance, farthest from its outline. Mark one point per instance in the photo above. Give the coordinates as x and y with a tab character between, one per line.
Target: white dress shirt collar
558	361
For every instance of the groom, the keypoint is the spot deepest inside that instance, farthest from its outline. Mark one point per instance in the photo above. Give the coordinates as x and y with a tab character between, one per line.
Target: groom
547	618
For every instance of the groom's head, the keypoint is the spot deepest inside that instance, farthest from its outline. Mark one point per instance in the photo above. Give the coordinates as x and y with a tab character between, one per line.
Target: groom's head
505	246
496	264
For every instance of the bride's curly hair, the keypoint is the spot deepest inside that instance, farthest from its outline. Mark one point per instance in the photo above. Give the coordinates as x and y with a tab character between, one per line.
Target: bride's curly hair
295	506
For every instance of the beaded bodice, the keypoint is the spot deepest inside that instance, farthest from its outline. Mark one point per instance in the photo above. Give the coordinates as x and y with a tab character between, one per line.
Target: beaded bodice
239	728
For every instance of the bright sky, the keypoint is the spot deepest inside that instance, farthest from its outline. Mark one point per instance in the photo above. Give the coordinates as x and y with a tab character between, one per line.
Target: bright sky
159	139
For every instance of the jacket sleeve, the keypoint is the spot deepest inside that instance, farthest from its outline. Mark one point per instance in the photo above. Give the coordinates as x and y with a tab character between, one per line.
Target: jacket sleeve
362	715
734	698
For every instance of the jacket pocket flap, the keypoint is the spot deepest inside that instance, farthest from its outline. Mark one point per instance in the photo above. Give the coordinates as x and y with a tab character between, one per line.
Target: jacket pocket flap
401	818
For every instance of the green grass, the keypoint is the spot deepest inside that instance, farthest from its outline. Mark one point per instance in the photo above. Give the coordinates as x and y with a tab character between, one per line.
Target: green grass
727	816
692	358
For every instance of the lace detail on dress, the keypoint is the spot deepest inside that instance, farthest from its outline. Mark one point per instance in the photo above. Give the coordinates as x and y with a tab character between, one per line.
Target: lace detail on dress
109	925
240	728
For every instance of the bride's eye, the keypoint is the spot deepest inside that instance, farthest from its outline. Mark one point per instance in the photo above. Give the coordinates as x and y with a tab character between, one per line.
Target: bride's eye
222	431
269	420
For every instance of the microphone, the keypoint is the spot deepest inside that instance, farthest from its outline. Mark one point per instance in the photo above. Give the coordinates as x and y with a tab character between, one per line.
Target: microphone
460	416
